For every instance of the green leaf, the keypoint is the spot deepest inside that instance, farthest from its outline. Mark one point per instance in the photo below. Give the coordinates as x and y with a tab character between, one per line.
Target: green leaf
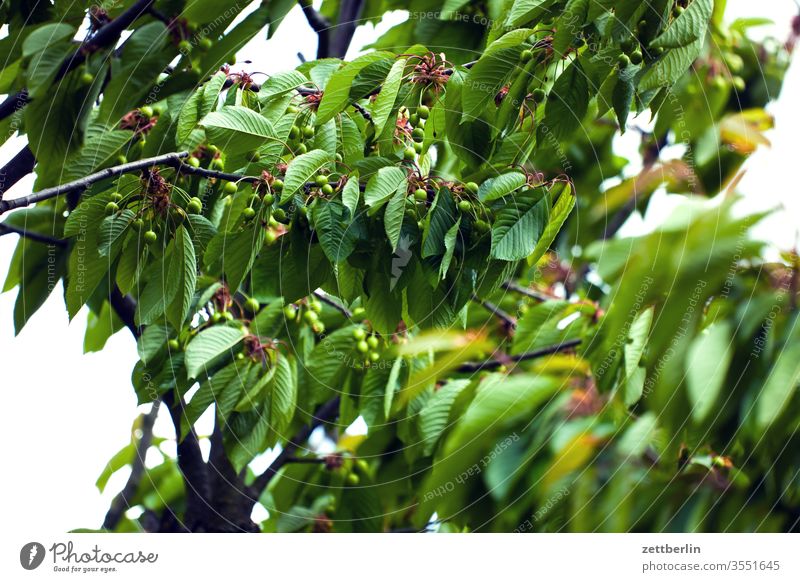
637	340
433	418
689	27
449	248
281	83
208	345
237	129
337	91
384	103
524	11
501	186
557	217
184	268
781	383
518	227
490	73
394	214
707	365
283	396
569	25
384	184
332	224
45	36
671	66
639	436
302	169
567	102
351	194
112	228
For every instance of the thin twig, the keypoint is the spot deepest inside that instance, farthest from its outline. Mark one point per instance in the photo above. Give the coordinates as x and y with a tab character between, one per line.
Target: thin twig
121	502
508	320
34	236
532	355
527	291
325	298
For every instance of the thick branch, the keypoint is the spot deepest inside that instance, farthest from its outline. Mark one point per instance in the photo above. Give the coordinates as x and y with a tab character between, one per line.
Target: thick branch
106	36
349	14
19	166
121	502
320	25
532	355
172	159
34	236
324	413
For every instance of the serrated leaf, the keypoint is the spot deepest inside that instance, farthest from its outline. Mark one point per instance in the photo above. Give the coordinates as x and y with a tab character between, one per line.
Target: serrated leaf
557	217
689	27
782	382
449	248
518	227
567	102
490	73
707	365
208	345
332	224
281	83
301	169
393	216
637	340
384	103
436	412
671	67
112	228
569	25
46	35
184	268
383	184
502	185
236	129
337	92
283	396
351	194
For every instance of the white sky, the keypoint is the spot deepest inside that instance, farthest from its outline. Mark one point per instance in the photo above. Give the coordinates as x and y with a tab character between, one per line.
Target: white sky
67	413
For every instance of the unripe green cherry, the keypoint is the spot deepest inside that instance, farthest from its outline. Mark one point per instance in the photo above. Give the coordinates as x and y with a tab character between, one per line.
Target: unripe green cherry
372	342
414	119
418	147
294	132
320	180
121	159
87	78
420	194
279	214
150	237
315	306
374	356
195	206
310	316
623	61
327	189
472	187
359	333
174	345
248	213
206	43
353	479
147	111
308	131
290	311
636	57
185	47
277	185
359	311
464	205
738	83
253	156
539	95
218	164
268	198
525	56
193	162
252	305
302	148
362	346
270	237
230	188
423	111
409	154
112	208
116	197
418	134
138	224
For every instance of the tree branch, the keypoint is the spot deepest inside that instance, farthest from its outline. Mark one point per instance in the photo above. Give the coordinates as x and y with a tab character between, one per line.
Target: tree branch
34	236
349	13
528	292
106	36
325	298
324	413
172	159
320	25
19	166
508	320
121	502
532	355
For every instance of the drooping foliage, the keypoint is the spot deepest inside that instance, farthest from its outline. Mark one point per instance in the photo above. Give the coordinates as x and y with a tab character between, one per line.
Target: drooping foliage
421	241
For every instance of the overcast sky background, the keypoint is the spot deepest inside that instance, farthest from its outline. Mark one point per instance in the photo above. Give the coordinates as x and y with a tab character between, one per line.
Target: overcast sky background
66	414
